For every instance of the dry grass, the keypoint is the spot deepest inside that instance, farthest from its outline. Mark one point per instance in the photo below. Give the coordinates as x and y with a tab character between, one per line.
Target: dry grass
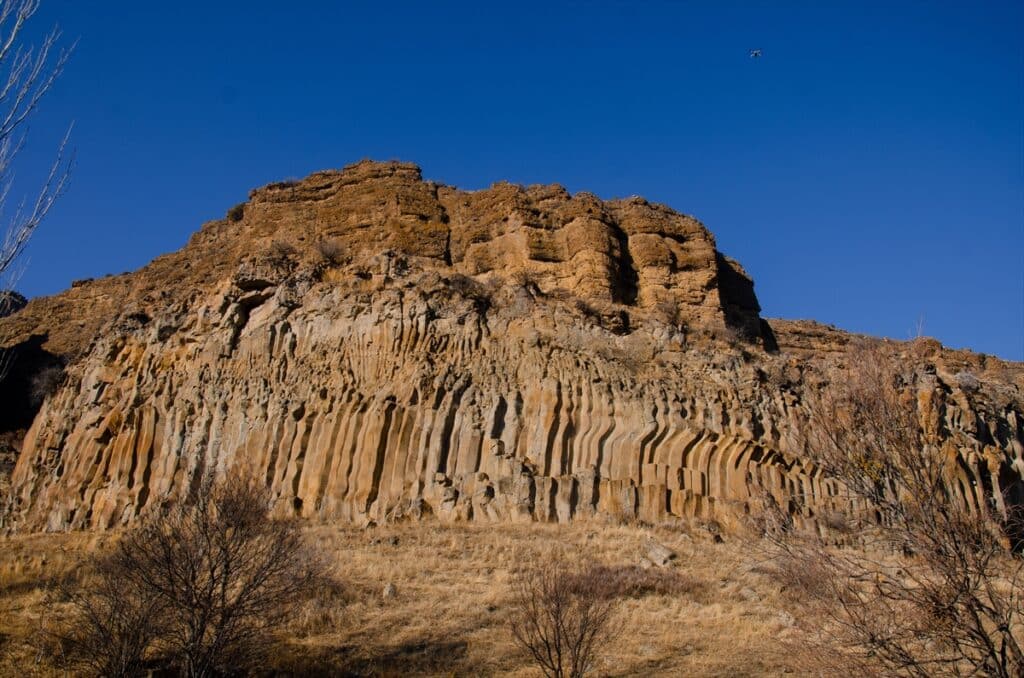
711	614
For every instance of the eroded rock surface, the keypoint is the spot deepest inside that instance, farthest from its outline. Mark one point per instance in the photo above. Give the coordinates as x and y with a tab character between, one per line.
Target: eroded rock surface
379	348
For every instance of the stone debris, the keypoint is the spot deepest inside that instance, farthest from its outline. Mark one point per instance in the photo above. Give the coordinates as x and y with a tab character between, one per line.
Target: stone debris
749	594
658	554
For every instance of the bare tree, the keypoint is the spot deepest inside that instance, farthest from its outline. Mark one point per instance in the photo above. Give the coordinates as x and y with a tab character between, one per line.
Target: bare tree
112	624
562	615
27	73
227	572
197	587
932	585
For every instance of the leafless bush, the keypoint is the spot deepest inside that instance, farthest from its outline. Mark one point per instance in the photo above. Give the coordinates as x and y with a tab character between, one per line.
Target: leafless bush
668	310
199	586
562	615
290	182
774	375
281	251
932	586
733	335
112	625
227	572
11	302
585	309
635	352
330	251
479	293
526	280
46	382
237	212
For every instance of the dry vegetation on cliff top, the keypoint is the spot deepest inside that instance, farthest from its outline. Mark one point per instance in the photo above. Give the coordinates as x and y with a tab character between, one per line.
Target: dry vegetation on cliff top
721	614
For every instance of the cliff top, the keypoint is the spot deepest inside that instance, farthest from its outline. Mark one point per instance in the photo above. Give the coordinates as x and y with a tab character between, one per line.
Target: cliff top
626	260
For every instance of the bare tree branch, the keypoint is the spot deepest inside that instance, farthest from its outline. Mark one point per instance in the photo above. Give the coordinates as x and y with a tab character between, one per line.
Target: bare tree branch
562	615
27	74
197	587
932	585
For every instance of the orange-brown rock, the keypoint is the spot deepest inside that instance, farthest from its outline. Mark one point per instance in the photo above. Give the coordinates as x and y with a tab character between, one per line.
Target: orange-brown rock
380	347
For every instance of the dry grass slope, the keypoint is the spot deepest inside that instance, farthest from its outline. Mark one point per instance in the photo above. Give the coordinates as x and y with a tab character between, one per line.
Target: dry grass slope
716	613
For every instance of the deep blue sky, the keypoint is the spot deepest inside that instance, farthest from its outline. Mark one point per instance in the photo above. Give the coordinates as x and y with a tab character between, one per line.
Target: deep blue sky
868	171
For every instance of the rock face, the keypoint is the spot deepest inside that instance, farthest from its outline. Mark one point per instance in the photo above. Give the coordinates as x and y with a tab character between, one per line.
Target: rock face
380	348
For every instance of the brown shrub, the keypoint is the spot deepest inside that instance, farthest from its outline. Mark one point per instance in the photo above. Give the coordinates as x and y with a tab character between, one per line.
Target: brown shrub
290	182
112	624
330	251
46	382
236	213
199	586
562	615
480	294
586	310
933	586
281	251
668	311
526	280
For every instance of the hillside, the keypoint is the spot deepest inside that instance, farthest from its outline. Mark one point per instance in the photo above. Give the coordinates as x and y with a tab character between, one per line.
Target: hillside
381	348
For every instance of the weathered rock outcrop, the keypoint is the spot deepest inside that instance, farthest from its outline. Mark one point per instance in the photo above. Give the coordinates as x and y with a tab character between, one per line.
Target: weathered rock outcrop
379	347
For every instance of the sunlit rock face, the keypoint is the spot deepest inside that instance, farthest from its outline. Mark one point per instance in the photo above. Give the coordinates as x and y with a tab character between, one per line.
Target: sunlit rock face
379	348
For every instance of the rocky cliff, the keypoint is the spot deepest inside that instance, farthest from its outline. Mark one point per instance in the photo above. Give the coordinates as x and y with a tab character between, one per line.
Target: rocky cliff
380	347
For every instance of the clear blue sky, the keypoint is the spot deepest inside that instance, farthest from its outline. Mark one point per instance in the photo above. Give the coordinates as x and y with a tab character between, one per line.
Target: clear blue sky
868	171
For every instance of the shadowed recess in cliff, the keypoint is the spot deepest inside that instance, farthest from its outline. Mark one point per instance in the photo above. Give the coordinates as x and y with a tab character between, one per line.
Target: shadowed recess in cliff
739	302
31	374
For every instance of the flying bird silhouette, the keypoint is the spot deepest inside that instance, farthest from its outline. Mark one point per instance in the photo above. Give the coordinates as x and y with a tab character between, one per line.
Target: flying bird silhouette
755	54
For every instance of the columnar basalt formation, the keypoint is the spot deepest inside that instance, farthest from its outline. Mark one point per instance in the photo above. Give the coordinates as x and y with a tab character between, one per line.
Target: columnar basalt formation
379	347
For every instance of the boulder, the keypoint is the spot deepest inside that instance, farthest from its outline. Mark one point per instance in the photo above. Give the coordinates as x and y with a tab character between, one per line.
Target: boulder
657	553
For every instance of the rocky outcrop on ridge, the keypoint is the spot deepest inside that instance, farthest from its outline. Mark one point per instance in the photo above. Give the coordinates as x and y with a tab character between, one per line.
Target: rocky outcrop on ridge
380	347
